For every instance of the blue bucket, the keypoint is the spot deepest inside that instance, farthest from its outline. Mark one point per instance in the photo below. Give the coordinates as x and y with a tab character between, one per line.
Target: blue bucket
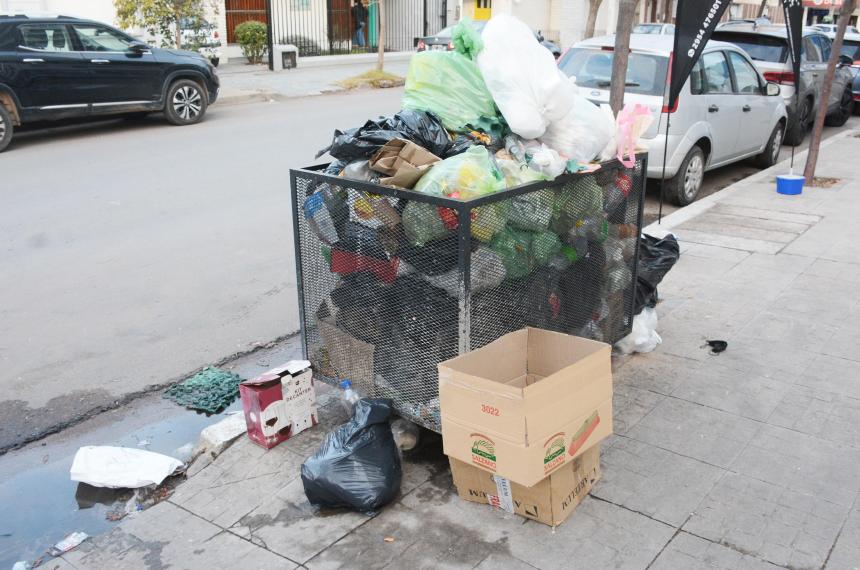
790	184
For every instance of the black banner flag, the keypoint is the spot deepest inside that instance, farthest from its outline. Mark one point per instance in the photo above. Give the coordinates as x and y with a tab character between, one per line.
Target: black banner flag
793	10
695	21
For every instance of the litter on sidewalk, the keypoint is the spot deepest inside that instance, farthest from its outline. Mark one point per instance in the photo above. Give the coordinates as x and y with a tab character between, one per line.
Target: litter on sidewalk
121	467
71	542
217	437
210	390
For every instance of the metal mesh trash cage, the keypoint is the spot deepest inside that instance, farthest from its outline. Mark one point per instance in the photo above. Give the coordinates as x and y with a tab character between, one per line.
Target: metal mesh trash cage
391	282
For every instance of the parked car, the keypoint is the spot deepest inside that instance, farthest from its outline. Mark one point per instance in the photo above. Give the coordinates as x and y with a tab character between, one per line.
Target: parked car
850	49
726	111
654	28
442	40
60	67
831	29
767	45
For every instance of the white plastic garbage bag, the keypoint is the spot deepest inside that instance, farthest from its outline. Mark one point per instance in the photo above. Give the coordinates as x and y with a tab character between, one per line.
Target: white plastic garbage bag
121	467
643	337
522	77
583	132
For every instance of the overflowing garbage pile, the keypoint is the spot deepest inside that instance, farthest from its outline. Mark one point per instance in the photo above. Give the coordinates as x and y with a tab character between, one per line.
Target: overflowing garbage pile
416	251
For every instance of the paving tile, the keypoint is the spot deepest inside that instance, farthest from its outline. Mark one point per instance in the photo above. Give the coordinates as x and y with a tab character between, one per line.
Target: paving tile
713	252
790	329
497	561
630	404
732	390
766	359
831	374
782	526
732	242
652	481
845	343
689	552
695	431
802	463
766	214
655	371
825	415
846	551
835	270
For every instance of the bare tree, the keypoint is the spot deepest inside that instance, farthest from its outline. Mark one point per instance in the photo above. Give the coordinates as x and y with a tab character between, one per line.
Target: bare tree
380	61
591	22
626	11
818	127
762	8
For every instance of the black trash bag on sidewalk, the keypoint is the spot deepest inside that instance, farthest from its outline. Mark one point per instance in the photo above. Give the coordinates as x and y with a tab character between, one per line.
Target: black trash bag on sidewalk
420	127
656	258
358	464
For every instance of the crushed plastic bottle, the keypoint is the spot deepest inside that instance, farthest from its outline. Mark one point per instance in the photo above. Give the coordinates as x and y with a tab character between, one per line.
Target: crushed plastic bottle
349	398
405	433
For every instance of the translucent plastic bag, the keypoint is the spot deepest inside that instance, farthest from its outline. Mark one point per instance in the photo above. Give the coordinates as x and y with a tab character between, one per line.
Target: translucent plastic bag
578	207
486	270
545	245
522	75
422	224
643	336
450	86
532	211
464	176
515	249
582	133
358	464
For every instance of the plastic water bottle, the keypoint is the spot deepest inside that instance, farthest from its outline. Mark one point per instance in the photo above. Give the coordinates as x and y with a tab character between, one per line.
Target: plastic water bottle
349	397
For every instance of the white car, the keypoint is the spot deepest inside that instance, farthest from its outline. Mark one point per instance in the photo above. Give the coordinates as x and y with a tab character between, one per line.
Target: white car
831	29
726	111
655	29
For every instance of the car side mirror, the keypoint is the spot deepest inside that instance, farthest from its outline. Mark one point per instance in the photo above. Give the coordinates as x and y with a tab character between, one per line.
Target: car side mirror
138	47
771	89
845	60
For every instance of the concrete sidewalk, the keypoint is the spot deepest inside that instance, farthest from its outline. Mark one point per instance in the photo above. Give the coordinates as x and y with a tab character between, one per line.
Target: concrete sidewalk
743	460
315	75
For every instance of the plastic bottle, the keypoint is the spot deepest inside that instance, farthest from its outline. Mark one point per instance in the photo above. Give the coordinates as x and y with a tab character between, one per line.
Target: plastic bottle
349	397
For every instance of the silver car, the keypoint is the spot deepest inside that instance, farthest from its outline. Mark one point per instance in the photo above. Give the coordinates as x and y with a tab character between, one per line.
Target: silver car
767	45
726	111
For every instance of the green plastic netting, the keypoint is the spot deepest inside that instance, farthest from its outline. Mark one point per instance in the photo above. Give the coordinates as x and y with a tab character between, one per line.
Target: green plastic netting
210	390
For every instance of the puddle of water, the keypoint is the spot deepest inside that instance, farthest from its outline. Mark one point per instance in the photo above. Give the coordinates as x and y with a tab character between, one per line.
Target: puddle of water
40	505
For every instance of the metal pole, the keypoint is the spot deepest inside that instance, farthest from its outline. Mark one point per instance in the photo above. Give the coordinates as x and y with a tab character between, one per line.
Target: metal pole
663	176
270	39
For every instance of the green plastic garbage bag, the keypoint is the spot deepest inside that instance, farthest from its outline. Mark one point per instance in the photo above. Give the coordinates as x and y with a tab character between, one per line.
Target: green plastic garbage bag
532	211
545	245
464	176
449	85
466	39
579	203
422	223
515	249
487	221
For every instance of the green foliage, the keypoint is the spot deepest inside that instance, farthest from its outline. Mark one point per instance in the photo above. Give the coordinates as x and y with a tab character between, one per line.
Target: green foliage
158	17
252	37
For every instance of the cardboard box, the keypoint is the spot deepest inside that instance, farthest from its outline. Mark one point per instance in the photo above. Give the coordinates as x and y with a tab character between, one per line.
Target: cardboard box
527	403
280	403
550	501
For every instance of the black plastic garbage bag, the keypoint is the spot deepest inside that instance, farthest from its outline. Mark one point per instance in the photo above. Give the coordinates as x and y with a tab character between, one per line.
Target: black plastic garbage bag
656	258
420	127
358	464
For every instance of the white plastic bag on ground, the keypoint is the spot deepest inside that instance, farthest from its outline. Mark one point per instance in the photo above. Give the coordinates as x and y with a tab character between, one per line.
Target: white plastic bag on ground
643	337
121	467
523	77
583	132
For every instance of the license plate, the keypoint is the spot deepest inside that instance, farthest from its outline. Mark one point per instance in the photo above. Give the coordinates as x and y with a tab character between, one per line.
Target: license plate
439	47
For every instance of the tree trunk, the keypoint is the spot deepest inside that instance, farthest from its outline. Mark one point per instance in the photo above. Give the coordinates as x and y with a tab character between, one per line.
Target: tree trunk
177	16
761	8
626	9
593	8
380	62
824	98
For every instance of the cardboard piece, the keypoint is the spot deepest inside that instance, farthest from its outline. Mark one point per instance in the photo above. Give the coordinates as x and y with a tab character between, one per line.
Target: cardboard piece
550	502
279	404
527	403
403	161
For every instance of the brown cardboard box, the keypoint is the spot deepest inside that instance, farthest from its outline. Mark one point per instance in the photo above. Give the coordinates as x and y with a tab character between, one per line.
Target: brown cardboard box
551	501
527	403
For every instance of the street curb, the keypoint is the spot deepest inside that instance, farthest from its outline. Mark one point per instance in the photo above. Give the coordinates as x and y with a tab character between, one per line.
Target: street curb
698	207
258	96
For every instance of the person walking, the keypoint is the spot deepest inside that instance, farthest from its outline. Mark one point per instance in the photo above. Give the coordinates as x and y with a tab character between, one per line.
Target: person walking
359	21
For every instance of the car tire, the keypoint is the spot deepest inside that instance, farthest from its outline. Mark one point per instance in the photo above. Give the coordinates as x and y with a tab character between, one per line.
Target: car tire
846	109
770	155
7	129
186	103
796	131
683	188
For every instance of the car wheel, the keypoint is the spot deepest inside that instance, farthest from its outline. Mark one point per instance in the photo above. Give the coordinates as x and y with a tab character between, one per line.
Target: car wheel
796	131
770	155
6	128
683	188
186	103
846	108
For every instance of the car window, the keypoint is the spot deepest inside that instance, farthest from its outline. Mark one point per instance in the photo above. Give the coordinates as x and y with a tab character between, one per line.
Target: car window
45	37
646	73
851	49
824	46
717	77
99	38
746	77
646	29
697	85
810	52
758	46
669	31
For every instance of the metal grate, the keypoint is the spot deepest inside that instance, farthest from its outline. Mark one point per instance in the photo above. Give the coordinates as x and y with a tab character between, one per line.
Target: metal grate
392	282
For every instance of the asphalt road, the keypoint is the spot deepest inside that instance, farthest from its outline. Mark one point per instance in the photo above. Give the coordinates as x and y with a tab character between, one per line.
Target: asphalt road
133	253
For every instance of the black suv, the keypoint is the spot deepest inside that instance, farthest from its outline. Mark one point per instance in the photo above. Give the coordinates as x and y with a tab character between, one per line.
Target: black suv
56	68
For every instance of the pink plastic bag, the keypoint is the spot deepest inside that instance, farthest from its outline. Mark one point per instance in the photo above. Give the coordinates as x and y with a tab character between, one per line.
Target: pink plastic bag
632	122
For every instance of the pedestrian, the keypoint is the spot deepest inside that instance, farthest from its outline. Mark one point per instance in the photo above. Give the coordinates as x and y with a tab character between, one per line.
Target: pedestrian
359	20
